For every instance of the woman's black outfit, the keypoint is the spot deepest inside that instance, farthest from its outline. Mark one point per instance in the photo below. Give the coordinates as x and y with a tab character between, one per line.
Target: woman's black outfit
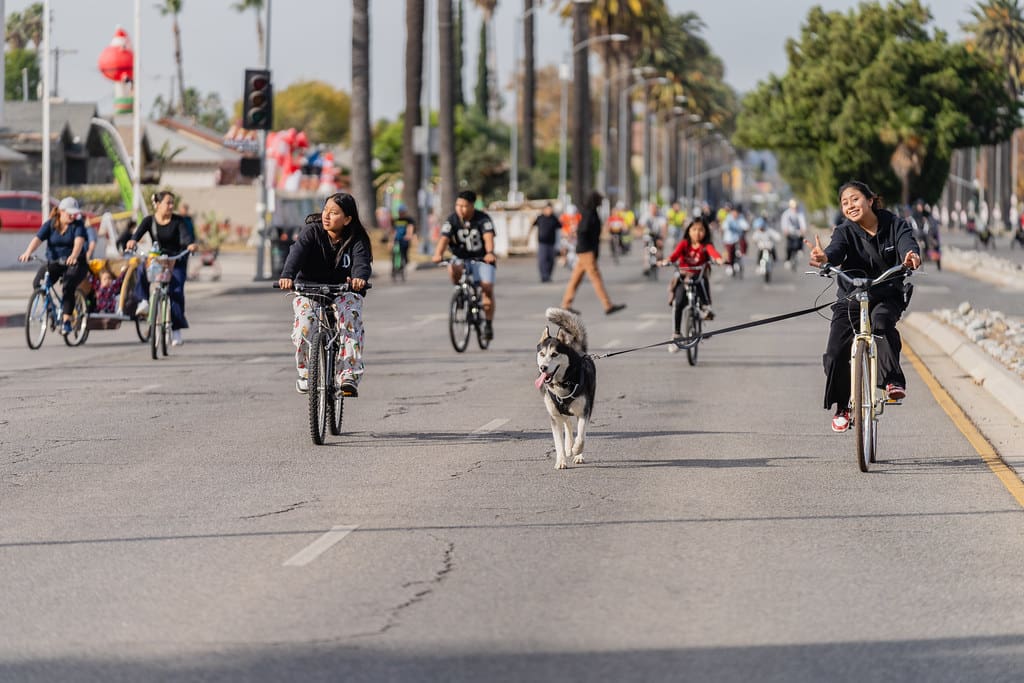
859	254
314	258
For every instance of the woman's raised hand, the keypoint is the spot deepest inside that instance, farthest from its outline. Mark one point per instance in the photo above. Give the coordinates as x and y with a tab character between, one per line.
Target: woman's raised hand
818	257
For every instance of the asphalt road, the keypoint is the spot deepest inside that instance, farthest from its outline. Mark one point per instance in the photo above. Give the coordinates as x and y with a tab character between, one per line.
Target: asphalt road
171	520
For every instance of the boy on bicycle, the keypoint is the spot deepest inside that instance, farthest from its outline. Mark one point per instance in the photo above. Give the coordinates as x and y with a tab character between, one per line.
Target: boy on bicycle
334	248
470	236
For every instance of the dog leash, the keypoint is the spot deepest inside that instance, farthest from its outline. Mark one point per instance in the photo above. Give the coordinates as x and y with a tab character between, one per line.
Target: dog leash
690	342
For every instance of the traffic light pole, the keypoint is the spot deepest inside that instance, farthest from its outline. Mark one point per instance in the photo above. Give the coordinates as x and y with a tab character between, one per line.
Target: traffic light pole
261	207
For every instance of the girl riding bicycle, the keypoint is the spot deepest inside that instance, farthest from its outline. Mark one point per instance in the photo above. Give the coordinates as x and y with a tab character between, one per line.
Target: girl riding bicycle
693	251
334	248
64	234
869	241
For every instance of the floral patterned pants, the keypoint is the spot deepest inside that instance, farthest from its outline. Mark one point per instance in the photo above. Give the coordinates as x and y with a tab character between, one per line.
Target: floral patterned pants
350	348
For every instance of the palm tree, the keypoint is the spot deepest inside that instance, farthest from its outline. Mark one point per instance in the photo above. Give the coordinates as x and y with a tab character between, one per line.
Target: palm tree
529	87
173	8
490	55
32	24
411	175
460	32
15	37
446	112
998	30
256	5
362	162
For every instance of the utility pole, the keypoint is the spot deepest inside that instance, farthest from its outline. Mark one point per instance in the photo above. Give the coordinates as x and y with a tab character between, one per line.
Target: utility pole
57	52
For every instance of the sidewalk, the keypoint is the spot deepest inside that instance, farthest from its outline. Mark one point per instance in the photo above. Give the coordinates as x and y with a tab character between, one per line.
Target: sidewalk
238	269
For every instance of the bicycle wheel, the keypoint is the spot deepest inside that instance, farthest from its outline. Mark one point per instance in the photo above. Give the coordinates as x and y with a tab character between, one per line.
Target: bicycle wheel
691	329
863	406
458	321
36	319
142	328
319	386
79	322
165	323
155	331
335	401
767	271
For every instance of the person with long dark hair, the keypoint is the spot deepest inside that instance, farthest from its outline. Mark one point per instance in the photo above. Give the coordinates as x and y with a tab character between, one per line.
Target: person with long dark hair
333	248
64	234
588	239
868	241
169	231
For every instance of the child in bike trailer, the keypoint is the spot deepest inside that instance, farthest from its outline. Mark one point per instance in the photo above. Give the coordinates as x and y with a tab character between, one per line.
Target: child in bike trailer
693	251
64	234
106	288
869	241
333	248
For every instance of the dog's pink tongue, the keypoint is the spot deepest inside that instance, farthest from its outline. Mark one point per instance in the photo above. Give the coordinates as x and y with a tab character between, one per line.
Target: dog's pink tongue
540	380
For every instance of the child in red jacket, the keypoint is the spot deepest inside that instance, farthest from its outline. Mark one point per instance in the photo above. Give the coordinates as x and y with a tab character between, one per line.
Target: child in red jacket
694	251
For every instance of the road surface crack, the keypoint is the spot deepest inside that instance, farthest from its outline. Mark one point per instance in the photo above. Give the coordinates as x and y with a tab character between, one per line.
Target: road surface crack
288	508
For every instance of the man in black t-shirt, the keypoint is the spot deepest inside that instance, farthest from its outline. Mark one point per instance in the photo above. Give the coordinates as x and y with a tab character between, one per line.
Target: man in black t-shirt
470	236
547	226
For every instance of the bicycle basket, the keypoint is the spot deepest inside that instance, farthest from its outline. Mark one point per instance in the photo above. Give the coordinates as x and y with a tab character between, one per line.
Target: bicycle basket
157	273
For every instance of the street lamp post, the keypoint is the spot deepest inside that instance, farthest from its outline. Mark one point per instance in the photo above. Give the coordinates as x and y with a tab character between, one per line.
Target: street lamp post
623	136
602	172
513	183
565	74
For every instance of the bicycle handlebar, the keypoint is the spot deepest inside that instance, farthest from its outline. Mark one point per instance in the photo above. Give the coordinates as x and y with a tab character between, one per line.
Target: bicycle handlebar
864	283
322	288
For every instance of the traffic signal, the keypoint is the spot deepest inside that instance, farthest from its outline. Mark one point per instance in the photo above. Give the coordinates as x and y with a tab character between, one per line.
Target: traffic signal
258	100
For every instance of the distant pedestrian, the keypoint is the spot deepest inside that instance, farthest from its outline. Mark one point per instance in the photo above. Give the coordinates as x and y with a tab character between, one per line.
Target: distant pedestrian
547	226
588	239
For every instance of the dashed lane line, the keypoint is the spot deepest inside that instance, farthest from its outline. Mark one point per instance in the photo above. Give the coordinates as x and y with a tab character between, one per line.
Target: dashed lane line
492	425
319	546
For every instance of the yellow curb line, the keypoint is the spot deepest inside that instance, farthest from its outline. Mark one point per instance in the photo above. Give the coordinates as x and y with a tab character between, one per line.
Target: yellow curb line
1010	479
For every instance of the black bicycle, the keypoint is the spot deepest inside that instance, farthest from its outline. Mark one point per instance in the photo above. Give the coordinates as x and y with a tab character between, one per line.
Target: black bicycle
466	312
687	318
45	312
326	400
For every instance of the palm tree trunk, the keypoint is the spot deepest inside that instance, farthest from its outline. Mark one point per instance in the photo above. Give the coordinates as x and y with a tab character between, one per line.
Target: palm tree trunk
260	37
580	116
446	113
181	70
411	167
529	90
362	171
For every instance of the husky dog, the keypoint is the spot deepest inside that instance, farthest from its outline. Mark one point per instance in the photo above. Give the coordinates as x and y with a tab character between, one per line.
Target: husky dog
567	380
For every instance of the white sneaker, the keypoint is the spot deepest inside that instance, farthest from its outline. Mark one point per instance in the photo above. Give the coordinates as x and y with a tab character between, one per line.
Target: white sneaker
176	339
302	385
142	309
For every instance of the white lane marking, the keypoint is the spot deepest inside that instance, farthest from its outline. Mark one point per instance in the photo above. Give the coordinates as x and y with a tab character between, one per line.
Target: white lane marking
612	344
319	546
491	426
647	324
257	359
931	289
427	319
145	389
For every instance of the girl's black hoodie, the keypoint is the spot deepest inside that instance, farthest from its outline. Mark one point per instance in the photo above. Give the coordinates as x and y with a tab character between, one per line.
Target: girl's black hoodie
314	259
861	255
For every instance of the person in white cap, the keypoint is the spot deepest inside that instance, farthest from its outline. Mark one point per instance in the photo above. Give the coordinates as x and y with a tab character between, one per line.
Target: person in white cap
64	234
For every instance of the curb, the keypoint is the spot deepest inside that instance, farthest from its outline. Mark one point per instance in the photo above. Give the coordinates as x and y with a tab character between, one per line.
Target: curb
986	371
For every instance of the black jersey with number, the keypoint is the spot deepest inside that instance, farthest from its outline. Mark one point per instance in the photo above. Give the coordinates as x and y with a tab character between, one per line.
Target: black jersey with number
466	238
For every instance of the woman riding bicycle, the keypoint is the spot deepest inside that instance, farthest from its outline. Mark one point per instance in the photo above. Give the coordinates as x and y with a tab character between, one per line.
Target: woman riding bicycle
334	248
171	232
694	251
869	241
64	234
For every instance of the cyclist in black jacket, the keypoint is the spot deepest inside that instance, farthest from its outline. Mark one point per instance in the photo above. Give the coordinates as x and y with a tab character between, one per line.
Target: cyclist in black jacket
334	248
868	241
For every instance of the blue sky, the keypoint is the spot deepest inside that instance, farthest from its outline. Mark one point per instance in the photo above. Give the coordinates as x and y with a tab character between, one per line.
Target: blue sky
311	39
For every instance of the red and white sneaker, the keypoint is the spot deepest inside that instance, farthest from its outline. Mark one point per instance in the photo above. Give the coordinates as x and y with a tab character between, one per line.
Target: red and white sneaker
841	421
894	392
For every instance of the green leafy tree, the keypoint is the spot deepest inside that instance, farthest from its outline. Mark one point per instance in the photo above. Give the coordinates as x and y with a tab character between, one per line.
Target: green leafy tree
16	60
313	106
872	94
